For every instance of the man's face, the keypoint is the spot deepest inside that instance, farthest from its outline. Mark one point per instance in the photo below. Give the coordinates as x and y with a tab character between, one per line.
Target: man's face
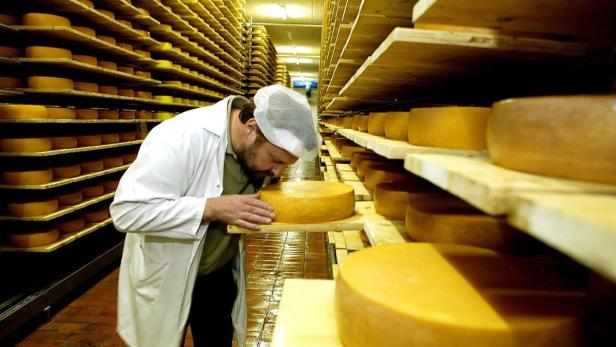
260	158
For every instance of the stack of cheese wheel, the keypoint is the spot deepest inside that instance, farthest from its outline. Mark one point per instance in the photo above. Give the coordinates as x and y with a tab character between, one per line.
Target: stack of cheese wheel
420	294
32	208
36	238
11	111
392	198
571	137
396	125
309	201
448	219
449	127
378	173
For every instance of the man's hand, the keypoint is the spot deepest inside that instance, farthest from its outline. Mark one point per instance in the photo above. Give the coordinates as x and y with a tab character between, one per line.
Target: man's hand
245	211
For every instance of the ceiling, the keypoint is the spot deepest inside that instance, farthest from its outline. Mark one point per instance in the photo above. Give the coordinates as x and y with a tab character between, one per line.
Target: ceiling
295	29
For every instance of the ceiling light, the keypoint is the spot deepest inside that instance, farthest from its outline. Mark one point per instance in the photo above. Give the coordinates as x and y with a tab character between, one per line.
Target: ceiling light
282	11
295	50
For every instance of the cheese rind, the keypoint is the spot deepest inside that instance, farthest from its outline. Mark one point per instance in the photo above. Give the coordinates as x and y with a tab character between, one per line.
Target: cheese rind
92	191
396	125
30	177
70	226
392	198
110	138
64	142
113	161
92	166
46	52
86	87
85	113
26	145
378	173
98	215
10	111
61	113
44	19
108	114
50	82
32	208
68	171
34	239
86	59
89	140
71	198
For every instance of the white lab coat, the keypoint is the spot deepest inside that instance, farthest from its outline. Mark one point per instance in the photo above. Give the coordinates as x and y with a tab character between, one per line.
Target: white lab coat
159	205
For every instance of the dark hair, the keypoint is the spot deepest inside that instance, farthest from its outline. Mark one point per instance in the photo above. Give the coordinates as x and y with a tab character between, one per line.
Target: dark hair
247	111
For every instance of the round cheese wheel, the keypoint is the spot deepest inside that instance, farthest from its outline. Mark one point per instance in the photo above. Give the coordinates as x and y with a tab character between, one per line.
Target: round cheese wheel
162	27
127	115
143	33
10	52
164	115
72	225
98	215
364	163
110	138
11	82
420	294
142	53
9	19
126	46
126	92
32	208
144	74
126	69
164	98
86	113
106	13
30	177
68	171
128	136
108	114
572	137
396	125
144	12
164	64
111	186
61	113
378	173
449	127
141	134
347	122
86	59
129	158
143	94
10	111
392	198
143	115
26	145
85	30
86	87
342	141
92	191
92	166
89	140
64	142
44	19
110	90
309	201
34	239
355	122
347	151
110	40
87	3
362	124
68	199
108	65
50	82
45	52
359	156
125	22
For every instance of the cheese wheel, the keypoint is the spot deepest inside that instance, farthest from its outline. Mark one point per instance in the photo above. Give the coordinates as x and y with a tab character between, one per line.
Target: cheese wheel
396	125
92	166
26	145
111	185
128	136
97	215
85	30
378	173
92	191
108	65
129	158
420	294
86	87
342	141
108	114
449	127
9	19
126	92
113	162
110	138
141	134
164	64
164	98
61	113
359	156
68	171
11	82
10	52
45	52
143	33
364	163
11	111
126	46
164	115
309	201
110	40
127	115
392	198
86	113
110	90
44	19
362	124
142	53
86	59
162	27
89	140
347	151
32	208
572	137
72	225
64	142
144	12
143	115
144	74
50	82
106	13
347	122
68	199
87	3
143	94
34	239
126	69
30	177
126	23
355	122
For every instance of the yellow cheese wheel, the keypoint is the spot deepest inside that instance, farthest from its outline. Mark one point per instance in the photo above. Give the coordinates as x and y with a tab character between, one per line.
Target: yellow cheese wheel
92	191
164	115
111	185
143	33
162	27
87	3
106	13
11	82
86	87
572	137
34	239
347	122
420	294
128	136
449	127
164	64
125	22
346	151
71	198
108	64
89	140
362	124
144	12
355	123
142	53
126	69
143	94
30	177
85	30
9	19
129	158
92	166
396	125
61	113
44	19
126	92
50	82
359	156
141	134
97	215
108	114
11	111
392	198
71	225
378	173
32	208
126	46
113	161
143	115
164	98
68	171
127	114
364	163
110	40
86	113
26	145
86	59
144	74
110	138
110	90
45	52
342	141
64	142
10	52
309	201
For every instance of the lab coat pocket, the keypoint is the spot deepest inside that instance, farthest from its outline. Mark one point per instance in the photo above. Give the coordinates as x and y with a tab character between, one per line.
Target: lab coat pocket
149	276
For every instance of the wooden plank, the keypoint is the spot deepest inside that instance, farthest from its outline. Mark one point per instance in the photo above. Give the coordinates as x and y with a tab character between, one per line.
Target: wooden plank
348	176
339	240
385	232
306	315
331	237
341	256
344	167
361	193
353	240
333	152
582	226
487	186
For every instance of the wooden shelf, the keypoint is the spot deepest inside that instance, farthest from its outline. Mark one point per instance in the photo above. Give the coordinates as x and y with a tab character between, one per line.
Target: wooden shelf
182	90
63	182
334	154
125	10
175	73
63	211
70	150
78	121
63	241
385	232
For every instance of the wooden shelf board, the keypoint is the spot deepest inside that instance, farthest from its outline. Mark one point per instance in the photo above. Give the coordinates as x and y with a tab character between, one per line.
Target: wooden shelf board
63	182
71	150
78	121
334	154
63	211
361	193
385	232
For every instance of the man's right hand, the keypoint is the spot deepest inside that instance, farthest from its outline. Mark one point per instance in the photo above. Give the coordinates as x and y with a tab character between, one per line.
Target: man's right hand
245	211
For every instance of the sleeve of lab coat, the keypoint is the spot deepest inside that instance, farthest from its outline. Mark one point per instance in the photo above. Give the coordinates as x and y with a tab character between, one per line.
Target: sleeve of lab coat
151	196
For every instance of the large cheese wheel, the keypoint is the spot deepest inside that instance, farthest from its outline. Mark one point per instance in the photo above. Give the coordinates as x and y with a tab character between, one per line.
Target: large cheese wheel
9	19
92	166
359	156
111	185
364	163
347	122
89	140
26	145
97	215
86	113
392	198
85	30
347	151
110	138
126	69
108	114
89	87
356	120
10	111
44	52
92	191
50	82
448	219
378	173
61	113
108	39
32	208
126	46
396	125
570	137
362	124
143	53
44	20
164	98
420	294
64	142
11	82
111	90
144	74
10	52
128	136
129	158
34	239
68	171
310	201
71	225
143	115
164	63
71	198
87	59
127	115
449	127
126	92
106	64
30	177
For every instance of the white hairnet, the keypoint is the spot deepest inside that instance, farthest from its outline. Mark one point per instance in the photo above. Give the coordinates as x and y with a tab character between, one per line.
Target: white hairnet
285	120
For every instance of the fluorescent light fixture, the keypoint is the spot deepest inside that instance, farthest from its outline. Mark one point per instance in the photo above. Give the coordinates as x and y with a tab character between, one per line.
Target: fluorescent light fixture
297	60
294	50
283	11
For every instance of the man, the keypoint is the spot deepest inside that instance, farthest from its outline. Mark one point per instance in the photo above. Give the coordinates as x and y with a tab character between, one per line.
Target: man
195	174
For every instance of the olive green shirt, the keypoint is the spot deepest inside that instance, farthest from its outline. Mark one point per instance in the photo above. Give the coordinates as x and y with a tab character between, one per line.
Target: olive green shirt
220	247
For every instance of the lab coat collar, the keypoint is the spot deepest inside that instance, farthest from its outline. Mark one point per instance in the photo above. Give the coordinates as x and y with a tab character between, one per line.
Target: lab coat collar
218	123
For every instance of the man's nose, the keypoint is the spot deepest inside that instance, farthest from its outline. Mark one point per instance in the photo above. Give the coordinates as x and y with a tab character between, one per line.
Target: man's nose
277	170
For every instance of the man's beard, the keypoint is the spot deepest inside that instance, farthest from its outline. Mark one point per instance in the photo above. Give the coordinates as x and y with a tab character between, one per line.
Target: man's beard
246	157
